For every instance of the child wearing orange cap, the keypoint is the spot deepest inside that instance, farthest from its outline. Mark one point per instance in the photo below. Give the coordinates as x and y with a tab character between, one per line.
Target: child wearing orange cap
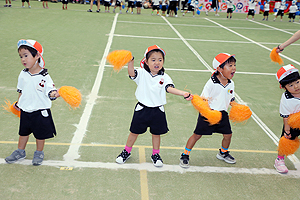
36	91
219	90
152	85
289	79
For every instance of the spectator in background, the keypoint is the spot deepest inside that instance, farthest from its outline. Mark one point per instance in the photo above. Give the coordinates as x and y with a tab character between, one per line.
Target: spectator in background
214	5
91	6
172	6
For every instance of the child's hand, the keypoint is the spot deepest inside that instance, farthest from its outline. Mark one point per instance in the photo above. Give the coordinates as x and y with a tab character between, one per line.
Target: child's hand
54	94
287	134
278	49
188	96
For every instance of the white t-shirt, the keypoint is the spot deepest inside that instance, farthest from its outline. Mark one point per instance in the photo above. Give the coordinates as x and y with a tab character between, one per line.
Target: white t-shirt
230	4
219	96
164	2
252	5
156	2
151	90
35	90
282	6
293	8
288	104
267	7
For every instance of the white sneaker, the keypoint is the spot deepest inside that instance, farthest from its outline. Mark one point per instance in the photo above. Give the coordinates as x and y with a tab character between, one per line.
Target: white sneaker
217	15
280	166
206	12
167	15
176	16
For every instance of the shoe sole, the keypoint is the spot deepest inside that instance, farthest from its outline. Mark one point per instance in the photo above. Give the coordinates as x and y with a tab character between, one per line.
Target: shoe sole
36	164
157	164
10	162
280	171
227	161
183	165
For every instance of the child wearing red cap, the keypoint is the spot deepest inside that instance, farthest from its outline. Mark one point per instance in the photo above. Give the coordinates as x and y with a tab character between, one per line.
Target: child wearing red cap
152	85
36	91
219	90
289	79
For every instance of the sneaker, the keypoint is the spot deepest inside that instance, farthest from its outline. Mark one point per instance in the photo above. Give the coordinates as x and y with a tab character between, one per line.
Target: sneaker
9	5
226	157
15	156
176	16
206	13
126	11
89	10
122	157
280	166
263	19
131	12
167	15
184	161
38	158
157	161
5	5
98	11
120	12
183	14
114	10
217	15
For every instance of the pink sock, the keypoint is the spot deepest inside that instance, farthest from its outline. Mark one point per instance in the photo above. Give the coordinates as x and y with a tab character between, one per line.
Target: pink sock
128	149
155	151
280	157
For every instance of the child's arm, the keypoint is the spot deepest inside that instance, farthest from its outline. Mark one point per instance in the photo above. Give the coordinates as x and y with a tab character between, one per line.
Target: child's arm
131	68
54	94
293	39
287	128
175	91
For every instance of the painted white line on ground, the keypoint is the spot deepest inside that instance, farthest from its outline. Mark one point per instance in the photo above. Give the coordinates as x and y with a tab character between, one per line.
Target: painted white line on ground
91	100
254	42
271	27
166	168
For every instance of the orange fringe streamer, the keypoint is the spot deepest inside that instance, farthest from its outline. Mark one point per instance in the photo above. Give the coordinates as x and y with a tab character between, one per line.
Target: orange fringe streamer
10	108
71	95
239	113
275	57
288	147
201	104
119	58
294	120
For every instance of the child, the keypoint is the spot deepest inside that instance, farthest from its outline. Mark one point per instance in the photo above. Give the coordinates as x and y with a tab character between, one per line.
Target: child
36	91
266	10
155	6
91	6
107	5
152	85
214	5
138	6
229	8
23	1
292	11
219	90
289	79
164	7
64	3
281	10
130	5
45	2
191	7
251	11
118	4
172	7
7	5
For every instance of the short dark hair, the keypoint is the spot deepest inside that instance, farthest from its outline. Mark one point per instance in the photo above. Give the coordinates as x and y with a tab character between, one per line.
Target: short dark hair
30	49
229	60
289	79
146	67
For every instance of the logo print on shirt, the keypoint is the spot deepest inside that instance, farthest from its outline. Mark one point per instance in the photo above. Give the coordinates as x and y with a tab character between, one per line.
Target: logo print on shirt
230	91
42	83
161	81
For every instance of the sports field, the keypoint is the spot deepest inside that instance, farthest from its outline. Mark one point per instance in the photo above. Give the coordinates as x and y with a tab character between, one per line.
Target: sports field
80	162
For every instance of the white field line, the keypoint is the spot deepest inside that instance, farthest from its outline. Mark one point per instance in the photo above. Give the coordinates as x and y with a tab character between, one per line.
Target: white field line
271	27
197	40
254	42
268	131
166	168
91	100
293	158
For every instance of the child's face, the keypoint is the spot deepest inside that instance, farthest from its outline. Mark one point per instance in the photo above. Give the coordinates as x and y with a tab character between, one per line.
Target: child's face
228	70
155	62
294	87
27	59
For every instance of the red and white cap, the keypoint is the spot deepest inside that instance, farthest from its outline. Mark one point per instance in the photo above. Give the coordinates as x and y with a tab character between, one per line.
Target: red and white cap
37	46
148	50
284	71
220	59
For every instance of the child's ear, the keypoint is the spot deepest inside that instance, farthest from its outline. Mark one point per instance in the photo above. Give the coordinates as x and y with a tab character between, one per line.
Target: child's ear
38	55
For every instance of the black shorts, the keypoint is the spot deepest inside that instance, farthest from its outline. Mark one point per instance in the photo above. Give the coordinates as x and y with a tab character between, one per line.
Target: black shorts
280	12
145	117
229	10
139	4
266	13
25	1
294	133
251	12
204	128
130	4
106	3
64	1
40	123
163	8
191	8
292	15
156	7
118	3
215	4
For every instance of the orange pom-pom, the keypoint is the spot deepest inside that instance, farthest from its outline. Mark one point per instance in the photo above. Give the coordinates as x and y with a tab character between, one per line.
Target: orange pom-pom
275	57
239	112
11	108
294	120
201	104
287	147
71	95
119	58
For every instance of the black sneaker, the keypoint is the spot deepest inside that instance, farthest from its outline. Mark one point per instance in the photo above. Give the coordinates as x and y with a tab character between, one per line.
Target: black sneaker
123	156
98	11
89	10
157	161
226	157
184	161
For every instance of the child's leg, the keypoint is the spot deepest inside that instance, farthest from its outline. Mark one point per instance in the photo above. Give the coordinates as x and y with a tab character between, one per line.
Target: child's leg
191	143
131	139
125	154
40	145
226	140
38	156
22	142
98	4
155	157
156	141
223	152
